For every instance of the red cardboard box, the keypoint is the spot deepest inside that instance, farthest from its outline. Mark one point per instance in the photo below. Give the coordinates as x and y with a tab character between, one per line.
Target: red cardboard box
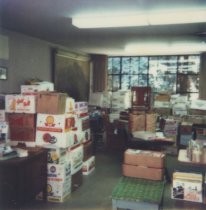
51	102
22	134
21	120
144	158
87	150
142	172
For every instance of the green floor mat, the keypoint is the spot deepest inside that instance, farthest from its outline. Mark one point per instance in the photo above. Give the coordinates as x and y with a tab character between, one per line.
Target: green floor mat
133	189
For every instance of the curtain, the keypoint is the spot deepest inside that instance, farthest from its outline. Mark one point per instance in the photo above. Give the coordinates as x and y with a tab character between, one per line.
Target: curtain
99	72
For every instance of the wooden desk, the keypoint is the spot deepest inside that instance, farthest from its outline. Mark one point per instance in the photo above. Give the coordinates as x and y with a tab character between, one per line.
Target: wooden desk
21	179
155	144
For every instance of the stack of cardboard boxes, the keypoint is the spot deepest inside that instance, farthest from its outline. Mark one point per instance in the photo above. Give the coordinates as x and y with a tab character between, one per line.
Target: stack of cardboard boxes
41	117
143	164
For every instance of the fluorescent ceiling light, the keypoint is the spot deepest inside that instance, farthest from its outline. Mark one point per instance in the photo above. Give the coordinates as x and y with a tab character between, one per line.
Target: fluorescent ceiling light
177	17
141	19
165	48
110	21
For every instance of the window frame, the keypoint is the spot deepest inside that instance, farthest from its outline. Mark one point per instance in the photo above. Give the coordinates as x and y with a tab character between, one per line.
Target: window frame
147	72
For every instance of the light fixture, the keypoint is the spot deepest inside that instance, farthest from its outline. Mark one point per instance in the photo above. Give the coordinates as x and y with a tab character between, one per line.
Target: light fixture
165	48
142	18
177	17
110	21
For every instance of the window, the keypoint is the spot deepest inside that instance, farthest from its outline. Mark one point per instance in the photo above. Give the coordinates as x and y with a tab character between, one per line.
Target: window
174	74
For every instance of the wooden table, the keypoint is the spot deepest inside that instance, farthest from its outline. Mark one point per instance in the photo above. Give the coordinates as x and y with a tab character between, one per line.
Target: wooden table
21	179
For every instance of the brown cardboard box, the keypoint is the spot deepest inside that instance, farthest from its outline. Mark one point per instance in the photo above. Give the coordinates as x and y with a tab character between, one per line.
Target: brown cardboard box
163	111
137	122
21	120
51	102
151	119
163	97
22	134
142	172
144	158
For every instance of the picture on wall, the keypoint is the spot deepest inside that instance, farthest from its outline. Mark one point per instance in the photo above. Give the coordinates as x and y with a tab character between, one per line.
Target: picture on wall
3	73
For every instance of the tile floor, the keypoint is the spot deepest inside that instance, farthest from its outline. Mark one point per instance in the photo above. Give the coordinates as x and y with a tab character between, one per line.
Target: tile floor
95	192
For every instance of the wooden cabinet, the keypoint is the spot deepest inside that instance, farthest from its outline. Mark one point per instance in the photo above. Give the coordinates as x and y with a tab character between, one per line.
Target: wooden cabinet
116	135
21	179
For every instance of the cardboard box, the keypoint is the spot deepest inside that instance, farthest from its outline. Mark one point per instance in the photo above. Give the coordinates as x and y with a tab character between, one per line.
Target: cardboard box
83	123
4	131
163	97
21	120
57	190
37	87
51	102
2	115
143	172
45	138
75	137
144	158
198	104
187	186
137	122
20	103
170	127
81	108
88	166
70	105
56	155
75	155
163	111
86	135
22	134
59	171
55	122
162	104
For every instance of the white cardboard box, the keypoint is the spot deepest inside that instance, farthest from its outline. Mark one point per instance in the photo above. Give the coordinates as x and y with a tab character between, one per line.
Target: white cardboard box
38	86
45	138
55	123
4	130
75	155
2	115
58	190
75	137
20	103
81	108
56	155
70	105
59	171
86	135
198	104
187	187
88	166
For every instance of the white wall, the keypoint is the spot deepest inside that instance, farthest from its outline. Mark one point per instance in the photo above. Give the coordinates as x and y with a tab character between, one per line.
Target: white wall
28	58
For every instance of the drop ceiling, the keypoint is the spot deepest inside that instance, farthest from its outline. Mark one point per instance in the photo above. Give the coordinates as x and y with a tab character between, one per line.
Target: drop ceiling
50	20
